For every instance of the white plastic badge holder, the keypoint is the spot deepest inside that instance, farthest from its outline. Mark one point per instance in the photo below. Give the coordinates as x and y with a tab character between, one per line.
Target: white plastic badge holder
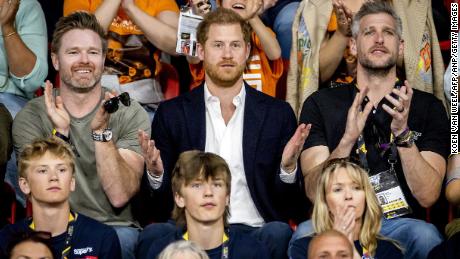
389	194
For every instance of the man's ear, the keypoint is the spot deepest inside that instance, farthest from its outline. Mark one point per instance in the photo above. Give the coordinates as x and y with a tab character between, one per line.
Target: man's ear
24	185
353	47
401	48
179	200
72	183
55	61
200	51
248	51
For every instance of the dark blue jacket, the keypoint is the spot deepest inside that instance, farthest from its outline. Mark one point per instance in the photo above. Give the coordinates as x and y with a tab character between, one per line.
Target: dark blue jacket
90	239
180	125
240	245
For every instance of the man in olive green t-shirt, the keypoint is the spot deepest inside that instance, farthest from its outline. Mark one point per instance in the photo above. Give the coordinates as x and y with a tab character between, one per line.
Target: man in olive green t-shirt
109	165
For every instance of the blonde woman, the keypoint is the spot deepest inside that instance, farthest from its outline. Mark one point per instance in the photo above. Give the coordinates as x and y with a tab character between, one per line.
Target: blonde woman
347	203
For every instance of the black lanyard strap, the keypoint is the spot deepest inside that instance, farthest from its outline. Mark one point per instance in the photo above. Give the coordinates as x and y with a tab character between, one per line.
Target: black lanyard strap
68	239
362	152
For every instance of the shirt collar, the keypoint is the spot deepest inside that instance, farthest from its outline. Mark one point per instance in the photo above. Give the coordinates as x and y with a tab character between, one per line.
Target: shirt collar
237	100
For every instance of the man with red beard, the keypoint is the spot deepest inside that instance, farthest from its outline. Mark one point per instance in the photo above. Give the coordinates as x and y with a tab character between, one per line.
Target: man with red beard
109	164
249	129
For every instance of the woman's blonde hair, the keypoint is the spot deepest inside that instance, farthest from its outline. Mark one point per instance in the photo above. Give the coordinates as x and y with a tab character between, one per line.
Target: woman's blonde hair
372	215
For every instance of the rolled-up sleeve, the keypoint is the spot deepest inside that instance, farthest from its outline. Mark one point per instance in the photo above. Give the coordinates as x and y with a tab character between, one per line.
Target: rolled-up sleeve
31	26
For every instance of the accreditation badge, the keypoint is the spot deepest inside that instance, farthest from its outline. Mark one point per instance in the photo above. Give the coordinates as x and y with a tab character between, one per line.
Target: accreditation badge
389	194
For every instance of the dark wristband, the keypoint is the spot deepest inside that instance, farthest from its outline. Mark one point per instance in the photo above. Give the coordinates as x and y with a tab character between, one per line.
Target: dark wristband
61	136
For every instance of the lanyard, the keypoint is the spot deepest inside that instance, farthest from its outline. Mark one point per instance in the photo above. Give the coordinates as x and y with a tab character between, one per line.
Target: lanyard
68	238
225	241
362	152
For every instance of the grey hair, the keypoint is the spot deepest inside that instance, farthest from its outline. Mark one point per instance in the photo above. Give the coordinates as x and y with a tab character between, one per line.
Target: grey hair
375	7
180	247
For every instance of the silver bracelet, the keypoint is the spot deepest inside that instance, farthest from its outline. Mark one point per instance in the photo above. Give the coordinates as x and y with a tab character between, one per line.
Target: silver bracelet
154	175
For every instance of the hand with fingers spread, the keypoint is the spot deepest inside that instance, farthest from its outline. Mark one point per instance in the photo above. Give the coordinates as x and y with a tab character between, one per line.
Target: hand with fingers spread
294	147
356	118
8	10
101	119
400	112
344	18
56	111
151	154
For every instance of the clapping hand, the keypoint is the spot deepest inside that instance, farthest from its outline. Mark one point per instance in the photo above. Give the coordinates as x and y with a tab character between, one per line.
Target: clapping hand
201	7
56	111
101	119
344	17
150	153
8	10
400	112
294	147
356	118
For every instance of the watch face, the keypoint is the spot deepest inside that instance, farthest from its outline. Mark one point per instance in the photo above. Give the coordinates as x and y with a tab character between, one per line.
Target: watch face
107	135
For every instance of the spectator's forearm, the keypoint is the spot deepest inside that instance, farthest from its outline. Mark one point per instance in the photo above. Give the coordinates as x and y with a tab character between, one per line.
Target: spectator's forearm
21	60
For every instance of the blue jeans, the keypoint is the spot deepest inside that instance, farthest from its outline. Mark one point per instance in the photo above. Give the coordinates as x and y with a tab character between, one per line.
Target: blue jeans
14	103
417	237
282	26
128	240
274	234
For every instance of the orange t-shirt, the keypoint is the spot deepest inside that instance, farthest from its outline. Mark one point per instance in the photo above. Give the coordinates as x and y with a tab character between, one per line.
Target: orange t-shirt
130	54
260	72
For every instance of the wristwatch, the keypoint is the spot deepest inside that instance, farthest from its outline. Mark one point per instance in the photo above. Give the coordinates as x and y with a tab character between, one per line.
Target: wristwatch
104	136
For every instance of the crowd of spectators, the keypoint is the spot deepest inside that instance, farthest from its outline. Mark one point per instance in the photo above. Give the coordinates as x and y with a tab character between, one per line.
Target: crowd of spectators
302	129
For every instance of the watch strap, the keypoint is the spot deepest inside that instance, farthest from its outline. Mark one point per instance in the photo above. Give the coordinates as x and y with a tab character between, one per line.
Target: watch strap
101	136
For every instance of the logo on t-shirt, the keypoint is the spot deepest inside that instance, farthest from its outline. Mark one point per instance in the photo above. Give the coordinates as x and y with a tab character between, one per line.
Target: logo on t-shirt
81	251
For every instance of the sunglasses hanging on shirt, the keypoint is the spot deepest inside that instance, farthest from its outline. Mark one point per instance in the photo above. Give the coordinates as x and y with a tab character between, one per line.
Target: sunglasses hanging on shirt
111	105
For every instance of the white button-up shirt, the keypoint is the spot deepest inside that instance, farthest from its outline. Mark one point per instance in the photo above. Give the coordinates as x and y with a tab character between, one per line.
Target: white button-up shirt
227	142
